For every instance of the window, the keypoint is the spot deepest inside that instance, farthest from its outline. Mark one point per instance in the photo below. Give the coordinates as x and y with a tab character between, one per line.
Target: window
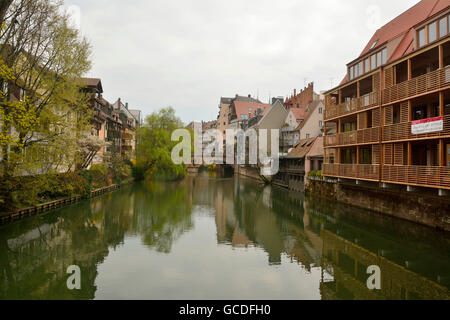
367	66
421	38
320	124
379	59
384	56
320	110
443	27
360	69
249	109
356	71
432	32
373	62
308	135
373	45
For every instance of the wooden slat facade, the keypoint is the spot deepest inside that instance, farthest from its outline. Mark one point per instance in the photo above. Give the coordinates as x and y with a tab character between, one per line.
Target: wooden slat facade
383	122
423	84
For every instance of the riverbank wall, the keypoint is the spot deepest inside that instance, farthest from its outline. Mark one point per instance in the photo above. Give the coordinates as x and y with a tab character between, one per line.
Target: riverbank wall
419	207
45	207
248	172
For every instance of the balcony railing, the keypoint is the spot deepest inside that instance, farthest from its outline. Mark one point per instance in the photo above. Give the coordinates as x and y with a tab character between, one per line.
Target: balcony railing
422	84
353	105
426	176
369	135
402	131
352	171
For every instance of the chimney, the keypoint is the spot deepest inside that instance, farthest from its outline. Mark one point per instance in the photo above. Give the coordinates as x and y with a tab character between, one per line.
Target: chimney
126	105
295	92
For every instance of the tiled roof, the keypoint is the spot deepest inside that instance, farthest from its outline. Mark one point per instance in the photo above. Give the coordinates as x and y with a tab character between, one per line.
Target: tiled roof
402	29
299	113
317	148
92	82
404	23
301	148
312	106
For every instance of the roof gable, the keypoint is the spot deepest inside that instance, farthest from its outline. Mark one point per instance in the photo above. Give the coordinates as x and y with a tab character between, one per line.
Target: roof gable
403	23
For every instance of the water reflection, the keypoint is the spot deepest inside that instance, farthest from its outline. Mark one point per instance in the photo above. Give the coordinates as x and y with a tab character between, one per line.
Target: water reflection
211	237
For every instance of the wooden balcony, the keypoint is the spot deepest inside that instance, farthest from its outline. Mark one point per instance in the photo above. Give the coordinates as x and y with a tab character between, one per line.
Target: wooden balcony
423	84
435	177
355	105
364	136
402	131
352	171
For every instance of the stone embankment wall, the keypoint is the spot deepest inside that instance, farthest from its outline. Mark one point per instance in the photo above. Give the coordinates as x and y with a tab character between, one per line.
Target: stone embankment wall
248	172
426	209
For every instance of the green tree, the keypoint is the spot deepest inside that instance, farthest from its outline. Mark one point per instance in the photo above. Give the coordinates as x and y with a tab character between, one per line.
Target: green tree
155	146
43	113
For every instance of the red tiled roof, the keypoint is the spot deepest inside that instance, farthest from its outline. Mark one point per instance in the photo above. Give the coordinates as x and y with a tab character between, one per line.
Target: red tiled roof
402	27
301	148
299	113
404	22
242	108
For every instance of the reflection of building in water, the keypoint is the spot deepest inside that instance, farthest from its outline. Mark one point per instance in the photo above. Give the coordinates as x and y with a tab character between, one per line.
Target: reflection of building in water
348	262
268	218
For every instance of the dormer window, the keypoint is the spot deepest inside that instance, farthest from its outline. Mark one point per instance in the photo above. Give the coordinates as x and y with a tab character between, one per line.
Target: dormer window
373	45
421	38
432	32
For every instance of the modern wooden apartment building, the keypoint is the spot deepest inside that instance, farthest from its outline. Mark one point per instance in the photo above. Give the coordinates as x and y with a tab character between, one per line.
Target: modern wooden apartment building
389	120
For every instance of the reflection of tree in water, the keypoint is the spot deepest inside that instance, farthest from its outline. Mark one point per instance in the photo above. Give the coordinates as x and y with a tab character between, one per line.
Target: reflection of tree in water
35	252
162	214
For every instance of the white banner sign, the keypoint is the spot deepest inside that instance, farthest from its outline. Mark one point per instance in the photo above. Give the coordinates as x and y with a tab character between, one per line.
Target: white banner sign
427	125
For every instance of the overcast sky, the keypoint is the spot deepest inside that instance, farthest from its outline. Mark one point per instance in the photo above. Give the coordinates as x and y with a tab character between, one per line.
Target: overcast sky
187	54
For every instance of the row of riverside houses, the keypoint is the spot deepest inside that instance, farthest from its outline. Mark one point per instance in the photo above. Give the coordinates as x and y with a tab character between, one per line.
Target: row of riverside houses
299	120
388	122
113	127
114	124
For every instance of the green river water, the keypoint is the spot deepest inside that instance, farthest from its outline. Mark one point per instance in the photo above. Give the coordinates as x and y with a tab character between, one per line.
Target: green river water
219	238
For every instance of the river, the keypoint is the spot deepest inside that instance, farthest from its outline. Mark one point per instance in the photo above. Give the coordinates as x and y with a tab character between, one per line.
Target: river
208	237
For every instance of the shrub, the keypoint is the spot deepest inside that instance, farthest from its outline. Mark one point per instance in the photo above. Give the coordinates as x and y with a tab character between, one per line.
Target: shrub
100	177
316	174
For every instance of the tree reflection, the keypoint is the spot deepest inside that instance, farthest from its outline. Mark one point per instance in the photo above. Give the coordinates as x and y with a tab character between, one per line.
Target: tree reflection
162	214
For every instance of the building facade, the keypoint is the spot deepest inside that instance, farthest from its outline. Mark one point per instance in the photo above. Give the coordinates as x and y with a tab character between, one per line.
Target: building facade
389	120
113	124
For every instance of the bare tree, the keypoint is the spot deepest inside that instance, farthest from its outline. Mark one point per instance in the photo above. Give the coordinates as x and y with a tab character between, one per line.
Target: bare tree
4	5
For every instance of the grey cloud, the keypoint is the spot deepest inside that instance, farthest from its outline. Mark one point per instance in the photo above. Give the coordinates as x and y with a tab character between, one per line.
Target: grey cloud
187	54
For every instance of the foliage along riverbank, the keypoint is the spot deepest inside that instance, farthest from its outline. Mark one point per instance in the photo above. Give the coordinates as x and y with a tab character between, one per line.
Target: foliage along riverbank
34	190
154	148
